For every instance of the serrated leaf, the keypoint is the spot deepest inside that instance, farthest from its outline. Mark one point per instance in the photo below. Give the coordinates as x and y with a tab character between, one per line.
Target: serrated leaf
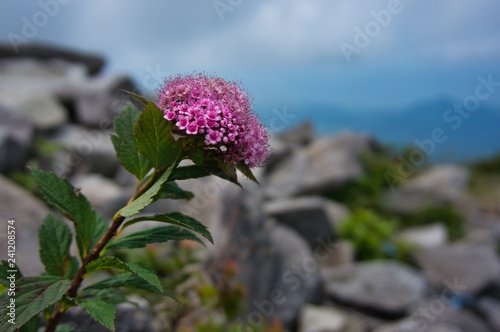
148	197
154	138
198	156
33	295
136	96
101	227
152	235
111	295
103	312
243	168
72	267
32	325
171	190
61	195
195	172
114	263
55	239
125	144
177	219
129	280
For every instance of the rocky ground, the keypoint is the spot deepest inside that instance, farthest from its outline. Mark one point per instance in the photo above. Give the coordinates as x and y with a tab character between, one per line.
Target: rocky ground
284	236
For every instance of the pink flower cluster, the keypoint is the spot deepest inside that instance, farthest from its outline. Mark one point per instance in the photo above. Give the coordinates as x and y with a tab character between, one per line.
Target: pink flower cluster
220	113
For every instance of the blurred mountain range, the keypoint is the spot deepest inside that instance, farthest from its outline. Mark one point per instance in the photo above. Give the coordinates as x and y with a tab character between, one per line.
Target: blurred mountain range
464	137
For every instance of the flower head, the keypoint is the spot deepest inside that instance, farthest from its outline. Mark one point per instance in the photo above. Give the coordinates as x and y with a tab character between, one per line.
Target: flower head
219	113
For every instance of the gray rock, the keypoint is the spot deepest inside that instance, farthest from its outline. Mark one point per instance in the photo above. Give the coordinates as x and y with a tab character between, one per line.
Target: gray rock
490	308
16	139
439	185
45	111
437	319
102	193
274	263
93	63
386	287
101	99
326	319
301	135
462	267
135	317
339	253
312	217
28	213
428	236
320	167
88	150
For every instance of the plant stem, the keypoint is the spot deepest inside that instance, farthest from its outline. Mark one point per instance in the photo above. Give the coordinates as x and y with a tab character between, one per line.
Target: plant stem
94	254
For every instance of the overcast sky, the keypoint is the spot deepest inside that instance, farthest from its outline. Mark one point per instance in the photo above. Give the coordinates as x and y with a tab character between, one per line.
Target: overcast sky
285	51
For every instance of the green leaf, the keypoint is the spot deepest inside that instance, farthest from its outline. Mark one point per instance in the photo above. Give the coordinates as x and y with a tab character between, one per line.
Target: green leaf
110	295
177	219
243	168
129	280
171	190
103	312
194	172
55	239
136	96
101	227
32	325
71	268
60	194
197	156
125	144
149	196
114	263
152	235
33	295
154	137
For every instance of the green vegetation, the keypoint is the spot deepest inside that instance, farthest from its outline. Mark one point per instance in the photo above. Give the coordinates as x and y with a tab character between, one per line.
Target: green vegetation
372	236
371	227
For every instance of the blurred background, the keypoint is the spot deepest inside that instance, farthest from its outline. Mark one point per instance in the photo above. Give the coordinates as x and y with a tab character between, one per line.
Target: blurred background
388	68
379	207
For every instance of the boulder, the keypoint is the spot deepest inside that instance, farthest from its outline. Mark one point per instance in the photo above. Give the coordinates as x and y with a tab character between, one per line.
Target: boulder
102	193
320	167
45	111
301	135
428	236
439	185
135	316
313	217
92	62
388	288
87	150
432	318
321	318
490	309
28	212
101	99
273	262
16	140
463	268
